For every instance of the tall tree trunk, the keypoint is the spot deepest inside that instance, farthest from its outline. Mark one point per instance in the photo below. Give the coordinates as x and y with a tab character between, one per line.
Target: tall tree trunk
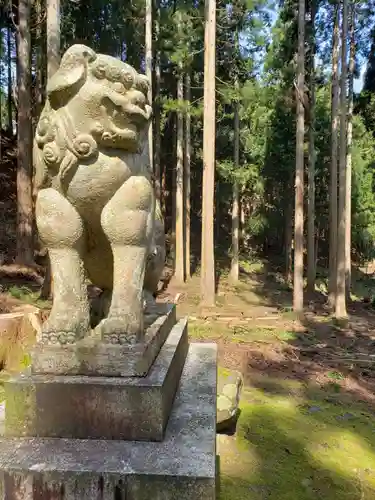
148	57
334	157
53	62
173	190
340	309
242	230
1	109
180	260
348	221
39	61
157	110
300	136
311	260
53	36
234	270
209	132
9	82
288	241
25	250
187	173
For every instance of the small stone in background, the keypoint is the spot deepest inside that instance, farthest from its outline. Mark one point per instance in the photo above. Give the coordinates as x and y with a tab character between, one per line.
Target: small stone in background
228	399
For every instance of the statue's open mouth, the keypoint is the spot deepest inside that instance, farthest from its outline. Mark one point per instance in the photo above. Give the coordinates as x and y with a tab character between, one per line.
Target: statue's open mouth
127	114
138	113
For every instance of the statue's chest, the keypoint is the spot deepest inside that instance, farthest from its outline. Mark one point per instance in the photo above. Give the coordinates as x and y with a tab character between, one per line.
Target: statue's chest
93	185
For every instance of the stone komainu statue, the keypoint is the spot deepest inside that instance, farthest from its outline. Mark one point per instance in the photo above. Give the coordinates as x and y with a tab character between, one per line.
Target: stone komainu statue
95	207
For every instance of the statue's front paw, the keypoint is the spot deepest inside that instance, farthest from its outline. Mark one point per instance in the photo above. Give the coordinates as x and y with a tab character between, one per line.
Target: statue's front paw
120	329
53	337
60	329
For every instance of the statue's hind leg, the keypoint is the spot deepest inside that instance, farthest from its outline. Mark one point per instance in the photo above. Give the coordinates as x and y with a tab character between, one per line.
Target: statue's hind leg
61	230
127	221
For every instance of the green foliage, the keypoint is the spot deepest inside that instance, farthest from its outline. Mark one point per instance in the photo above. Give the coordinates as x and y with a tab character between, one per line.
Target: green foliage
256	65
28	296
363	196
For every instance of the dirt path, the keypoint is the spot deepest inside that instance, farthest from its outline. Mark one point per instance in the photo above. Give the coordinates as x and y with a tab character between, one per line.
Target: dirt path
257	334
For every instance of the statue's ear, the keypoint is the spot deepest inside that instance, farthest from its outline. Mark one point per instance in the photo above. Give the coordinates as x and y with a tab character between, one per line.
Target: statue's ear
64	84
71	75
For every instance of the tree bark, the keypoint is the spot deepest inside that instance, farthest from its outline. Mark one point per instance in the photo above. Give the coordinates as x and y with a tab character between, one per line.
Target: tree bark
242	230
148	57
39	61
1	109
9	56
340	309
288	241
53	37
180	261
173	191
209	133
234	270
157	111
300	135
53	62
187	173
334	157
311	260
348	195
25	250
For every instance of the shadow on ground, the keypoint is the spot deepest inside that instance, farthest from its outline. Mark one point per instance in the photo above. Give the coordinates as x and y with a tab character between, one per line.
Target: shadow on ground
306	429
298	449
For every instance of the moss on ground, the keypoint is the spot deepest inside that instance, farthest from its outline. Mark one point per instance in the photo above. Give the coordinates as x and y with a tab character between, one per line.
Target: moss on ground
238	333
28	296
291	447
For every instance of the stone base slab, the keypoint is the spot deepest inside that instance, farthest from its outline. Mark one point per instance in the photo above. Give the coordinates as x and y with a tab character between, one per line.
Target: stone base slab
182	467
129	408
90	356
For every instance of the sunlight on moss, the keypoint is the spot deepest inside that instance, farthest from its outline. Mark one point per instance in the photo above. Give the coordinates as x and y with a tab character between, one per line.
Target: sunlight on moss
302	448
238	333
199	330
224	372
286	335
252	266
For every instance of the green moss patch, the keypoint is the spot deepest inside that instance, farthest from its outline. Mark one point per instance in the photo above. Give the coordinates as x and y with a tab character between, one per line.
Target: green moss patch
291	447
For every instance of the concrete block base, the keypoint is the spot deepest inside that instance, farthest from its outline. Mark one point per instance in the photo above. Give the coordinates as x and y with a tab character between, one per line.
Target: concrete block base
181	467
131	408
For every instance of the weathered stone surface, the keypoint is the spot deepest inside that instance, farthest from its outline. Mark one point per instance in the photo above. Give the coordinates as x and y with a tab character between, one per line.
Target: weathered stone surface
2	418
95	205
90	356
228	397
182	467
132	408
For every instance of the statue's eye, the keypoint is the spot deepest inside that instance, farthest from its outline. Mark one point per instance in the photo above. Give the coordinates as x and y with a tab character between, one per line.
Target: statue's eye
127	79
100	72
119	87
142	84
43	126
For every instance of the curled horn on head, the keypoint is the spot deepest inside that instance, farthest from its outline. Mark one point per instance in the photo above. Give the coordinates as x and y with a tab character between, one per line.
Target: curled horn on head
70	76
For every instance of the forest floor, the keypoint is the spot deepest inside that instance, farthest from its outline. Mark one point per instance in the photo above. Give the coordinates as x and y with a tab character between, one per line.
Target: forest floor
306	427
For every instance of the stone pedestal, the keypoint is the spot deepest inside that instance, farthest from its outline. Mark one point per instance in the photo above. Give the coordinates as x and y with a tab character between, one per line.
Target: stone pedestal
90	356
132	408
80	437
